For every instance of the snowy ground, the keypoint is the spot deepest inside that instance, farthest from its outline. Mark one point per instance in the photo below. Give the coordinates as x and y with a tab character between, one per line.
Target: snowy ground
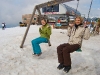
17	61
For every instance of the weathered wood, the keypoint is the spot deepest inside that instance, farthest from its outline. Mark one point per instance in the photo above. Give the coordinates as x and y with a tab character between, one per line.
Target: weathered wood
54	2
28	28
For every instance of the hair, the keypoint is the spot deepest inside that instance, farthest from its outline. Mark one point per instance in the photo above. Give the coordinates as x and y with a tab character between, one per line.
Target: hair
81	19
44	20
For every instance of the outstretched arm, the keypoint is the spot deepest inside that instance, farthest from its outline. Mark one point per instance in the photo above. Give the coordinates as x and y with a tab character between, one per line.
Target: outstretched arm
40	30
87	34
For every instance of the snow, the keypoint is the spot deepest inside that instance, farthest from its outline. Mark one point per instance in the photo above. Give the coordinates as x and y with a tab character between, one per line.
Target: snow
19	61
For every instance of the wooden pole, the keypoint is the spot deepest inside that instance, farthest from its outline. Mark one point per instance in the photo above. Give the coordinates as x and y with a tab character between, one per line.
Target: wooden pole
38	9
77	7
21	46
90	8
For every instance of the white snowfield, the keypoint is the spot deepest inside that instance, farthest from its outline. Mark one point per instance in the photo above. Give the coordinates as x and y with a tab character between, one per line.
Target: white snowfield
19	61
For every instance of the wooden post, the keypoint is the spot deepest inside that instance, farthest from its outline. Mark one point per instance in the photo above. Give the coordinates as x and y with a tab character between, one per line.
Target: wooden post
38	9
21	46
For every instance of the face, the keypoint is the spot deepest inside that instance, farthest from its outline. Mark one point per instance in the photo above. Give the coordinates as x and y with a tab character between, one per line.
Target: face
43	22
77	21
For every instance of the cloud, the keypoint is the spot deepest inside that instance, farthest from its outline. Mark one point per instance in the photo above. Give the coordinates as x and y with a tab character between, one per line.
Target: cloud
98	9
11	11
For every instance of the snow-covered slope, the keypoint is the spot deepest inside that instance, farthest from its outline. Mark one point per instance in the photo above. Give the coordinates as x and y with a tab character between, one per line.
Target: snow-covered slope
19	61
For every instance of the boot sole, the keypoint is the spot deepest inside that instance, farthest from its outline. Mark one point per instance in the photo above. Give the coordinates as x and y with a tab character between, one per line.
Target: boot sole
67	71
60	69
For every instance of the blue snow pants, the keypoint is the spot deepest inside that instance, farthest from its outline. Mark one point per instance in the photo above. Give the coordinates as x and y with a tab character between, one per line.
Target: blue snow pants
36	42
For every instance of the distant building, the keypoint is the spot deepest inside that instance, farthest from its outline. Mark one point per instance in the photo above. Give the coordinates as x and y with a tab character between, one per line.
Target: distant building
59	11
27	17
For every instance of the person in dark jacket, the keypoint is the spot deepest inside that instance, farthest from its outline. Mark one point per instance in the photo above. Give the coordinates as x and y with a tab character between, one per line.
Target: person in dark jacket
76	34
45	32
2	26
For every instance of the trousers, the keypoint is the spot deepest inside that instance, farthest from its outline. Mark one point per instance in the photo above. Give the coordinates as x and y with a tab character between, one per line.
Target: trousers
63	52
36	42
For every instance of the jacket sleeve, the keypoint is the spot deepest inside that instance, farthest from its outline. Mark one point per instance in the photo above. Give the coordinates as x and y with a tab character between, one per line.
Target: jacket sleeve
69	31
40	31
48	30
86	34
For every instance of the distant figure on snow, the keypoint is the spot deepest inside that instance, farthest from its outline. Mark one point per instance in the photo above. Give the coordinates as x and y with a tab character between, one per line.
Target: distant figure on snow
3	26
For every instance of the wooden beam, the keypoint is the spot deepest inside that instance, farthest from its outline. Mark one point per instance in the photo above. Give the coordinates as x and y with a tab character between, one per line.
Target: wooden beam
50	3
21	46
38	9
39	18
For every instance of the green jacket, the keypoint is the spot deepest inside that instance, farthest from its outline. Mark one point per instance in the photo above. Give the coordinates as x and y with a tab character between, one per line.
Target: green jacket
45	31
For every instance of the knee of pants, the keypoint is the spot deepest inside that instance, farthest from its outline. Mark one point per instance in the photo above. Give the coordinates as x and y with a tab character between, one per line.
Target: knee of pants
59	49
66	50
33	41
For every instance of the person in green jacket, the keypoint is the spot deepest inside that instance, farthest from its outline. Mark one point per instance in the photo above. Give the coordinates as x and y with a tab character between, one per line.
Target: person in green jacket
45	32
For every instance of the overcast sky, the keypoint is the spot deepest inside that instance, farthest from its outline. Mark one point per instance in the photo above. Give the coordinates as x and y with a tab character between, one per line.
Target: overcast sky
11	11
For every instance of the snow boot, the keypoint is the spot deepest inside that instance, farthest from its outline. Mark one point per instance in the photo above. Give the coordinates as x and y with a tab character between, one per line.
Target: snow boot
33	53
66	69
60	66
38	54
